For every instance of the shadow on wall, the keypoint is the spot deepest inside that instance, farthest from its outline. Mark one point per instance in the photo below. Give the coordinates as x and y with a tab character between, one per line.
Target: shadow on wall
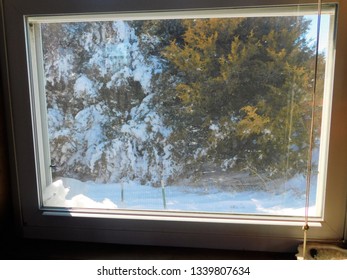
5	198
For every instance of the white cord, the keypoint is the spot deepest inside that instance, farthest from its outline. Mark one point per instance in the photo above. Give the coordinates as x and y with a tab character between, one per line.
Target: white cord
309	161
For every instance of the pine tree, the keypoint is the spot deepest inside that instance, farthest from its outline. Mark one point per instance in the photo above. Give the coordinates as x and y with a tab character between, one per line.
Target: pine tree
242	94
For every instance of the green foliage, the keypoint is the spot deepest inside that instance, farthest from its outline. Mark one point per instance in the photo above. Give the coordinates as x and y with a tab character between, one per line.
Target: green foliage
243	87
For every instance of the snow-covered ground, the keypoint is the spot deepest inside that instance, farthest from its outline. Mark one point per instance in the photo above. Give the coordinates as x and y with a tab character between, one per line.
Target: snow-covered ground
72	193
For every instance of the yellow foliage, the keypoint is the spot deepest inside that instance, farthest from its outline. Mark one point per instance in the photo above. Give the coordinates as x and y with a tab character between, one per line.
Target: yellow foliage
252	123
189	93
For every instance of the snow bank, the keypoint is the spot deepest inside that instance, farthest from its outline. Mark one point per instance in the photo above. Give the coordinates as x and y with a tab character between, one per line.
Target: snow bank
131	195
55	195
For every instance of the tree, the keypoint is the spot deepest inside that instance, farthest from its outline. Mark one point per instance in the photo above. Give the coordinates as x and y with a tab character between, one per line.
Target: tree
242	94
167	99
103	125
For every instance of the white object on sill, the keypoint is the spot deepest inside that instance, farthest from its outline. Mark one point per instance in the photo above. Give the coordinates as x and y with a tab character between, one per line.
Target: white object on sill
318	251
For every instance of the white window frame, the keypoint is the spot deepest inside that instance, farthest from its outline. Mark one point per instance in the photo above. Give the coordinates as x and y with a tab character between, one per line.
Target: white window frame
29	153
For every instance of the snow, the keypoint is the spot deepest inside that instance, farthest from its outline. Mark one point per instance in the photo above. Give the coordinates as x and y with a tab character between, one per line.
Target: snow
62	65
55	119
72	193
57	195
84	88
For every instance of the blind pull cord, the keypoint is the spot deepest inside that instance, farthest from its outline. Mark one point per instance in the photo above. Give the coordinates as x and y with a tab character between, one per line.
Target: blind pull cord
311	144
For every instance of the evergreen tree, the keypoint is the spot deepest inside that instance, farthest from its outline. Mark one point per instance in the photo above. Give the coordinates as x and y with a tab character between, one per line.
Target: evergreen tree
242	94
160	100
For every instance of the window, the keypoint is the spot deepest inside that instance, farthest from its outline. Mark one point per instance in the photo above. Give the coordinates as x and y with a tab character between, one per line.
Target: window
185	119
203	113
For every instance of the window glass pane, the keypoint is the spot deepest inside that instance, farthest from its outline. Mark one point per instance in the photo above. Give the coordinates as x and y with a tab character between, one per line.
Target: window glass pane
201	114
